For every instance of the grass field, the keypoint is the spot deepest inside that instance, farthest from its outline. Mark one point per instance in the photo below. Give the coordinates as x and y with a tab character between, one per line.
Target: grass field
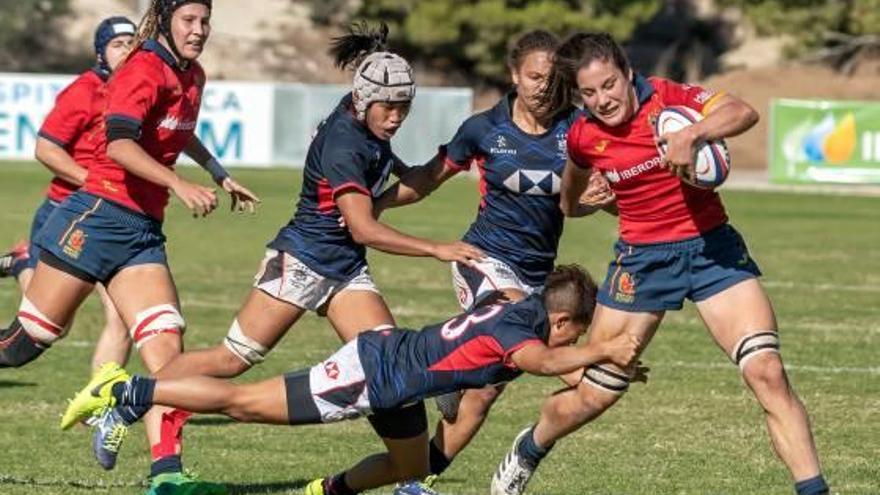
692	430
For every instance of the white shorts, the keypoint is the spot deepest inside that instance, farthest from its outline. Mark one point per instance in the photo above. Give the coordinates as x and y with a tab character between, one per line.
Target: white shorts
473	283
284	277
332	390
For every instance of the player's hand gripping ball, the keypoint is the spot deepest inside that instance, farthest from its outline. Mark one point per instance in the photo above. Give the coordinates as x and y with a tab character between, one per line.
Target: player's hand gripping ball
711	163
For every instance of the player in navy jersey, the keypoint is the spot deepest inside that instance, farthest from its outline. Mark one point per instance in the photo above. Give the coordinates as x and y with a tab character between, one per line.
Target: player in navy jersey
383	371
317	262
520	152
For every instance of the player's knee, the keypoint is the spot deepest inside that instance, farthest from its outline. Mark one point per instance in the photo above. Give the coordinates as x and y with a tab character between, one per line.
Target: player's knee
610	382
481	400
244	352
17	347
757	356
765	374
155	321
244	406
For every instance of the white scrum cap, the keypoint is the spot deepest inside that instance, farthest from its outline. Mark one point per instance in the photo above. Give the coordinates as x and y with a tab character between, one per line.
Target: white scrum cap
382	76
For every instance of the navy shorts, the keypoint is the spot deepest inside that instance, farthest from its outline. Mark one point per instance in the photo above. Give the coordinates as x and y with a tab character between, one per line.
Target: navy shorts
659	277
40	216
98	238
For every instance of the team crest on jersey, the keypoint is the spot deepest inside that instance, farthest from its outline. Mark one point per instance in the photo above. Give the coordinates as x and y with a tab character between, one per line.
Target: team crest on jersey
601	145
501	147
331	369
533	182
626	289
74	245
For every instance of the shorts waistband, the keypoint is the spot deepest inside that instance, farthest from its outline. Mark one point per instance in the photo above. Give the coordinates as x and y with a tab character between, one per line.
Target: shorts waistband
121	213
683	244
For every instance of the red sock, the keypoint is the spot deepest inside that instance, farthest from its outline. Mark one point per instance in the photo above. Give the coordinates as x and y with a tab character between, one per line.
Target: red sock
171	434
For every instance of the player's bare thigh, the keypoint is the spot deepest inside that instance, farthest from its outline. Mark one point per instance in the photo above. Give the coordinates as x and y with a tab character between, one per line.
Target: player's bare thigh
740	310
608	323
56	293
354	311
266	319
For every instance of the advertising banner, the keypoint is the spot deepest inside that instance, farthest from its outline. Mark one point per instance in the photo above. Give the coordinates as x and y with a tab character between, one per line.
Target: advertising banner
824	141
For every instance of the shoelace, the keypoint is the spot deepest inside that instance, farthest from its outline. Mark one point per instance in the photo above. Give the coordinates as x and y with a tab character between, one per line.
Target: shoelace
115	438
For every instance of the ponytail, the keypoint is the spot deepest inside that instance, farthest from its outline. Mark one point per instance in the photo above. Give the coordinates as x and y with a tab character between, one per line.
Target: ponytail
350	49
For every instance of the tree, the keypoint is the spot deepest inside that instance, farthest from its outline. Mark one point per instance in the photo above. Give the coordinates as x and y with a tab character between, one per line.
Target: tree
838	32
472	36
31	36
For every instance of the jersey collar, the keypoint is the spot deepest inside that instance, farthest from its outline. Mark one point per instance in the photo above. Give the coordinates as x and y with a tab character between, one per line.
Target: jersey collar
162	52
644	90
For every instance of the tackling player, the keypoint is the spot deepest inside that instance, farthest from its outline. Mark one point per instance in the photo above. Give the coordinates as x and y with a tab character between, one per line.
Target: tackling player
675	244
384	371
519	150
110	231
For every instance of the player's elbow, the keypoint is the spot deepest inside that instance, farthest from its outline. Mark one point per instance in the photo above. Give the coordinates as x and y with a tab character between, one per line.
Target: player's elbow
116	151
364	235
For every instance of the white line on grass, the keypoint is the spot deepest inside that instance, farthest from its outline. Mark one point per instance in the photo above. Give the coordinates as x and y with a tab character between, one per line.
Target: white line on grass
868	370
787	284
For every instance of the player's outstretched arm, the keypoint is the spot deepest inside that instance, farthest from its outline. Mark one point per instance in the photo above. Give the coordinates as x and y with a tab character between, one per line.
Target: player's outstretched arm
538	359
415	184
59	162
242	198
357	211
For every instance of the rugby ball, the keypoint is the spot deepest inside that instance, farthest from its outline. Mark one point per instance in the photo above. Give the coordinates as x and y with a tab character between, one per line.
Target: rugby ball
713	160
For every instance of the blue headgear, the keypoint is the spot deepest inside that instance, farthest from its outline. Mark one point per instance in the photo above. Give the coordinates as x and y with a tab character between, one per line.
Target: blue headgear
166	11
110	28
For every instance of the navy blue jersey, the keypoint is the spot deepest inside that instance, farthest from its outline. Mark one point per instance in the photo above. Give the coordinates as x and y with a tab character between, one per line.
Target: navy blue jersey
471	350
519	220
344	156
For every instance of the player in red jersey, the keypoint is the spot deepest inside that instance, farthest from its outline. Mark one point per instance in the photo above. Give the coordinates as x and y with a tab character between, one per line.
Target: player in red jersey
65	137
675	244
110	231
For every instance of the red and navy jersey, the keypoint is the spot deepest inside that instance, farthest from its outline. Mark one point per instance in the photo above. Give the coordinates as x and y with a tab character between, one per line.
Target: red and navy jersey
471	350
344	156
151	95
519	220
655	206
76	124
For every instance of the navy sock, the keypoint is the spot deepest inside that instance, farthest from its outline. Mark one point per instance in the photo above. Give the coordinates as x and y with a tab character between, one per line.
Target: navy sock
168	464
812	486
439	461
530	451
336	485
133	398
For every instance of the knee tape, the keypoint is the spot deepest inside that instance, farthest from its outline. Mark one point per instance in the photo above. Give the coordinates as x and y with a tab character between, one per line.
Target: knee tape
752	345
164	318
37	325
606	379
17	347
245	348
